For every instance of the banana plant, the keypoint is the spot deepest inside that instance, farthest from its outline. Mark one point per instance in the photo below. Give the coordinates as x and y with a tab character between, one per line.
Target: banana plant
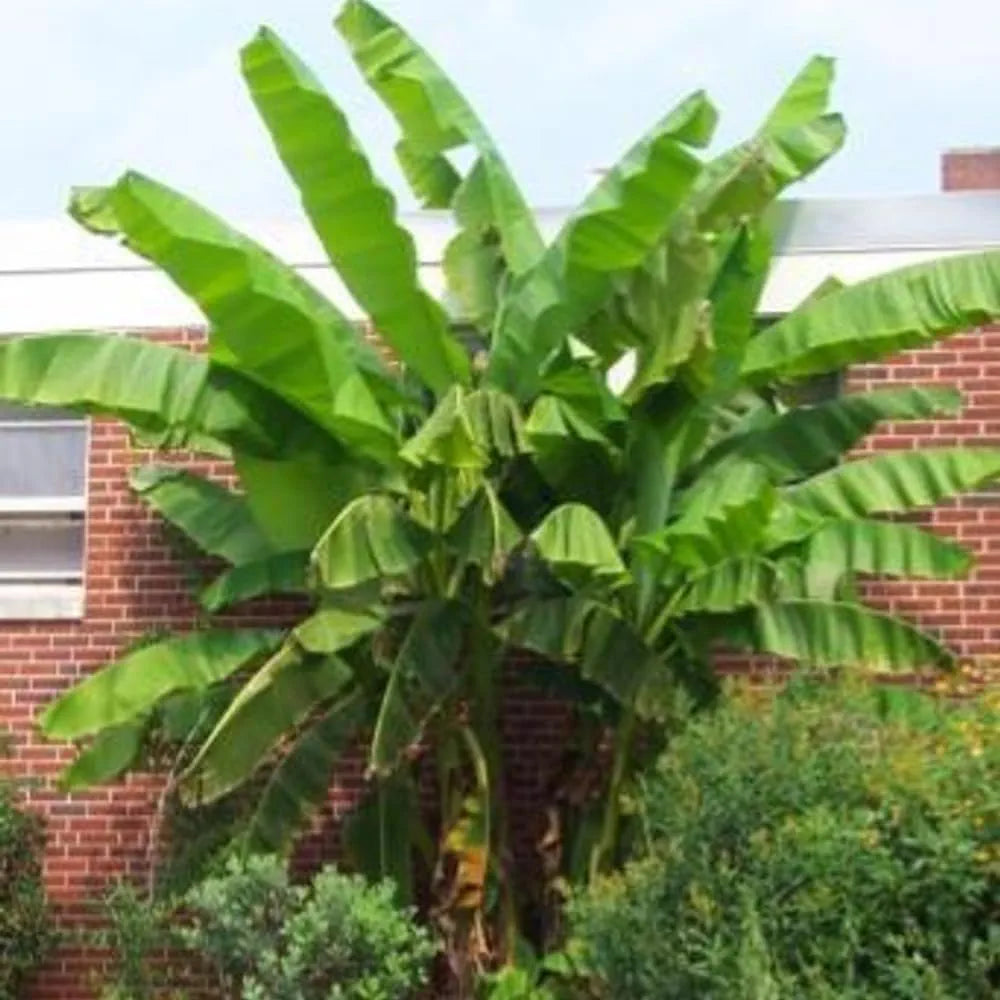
439	510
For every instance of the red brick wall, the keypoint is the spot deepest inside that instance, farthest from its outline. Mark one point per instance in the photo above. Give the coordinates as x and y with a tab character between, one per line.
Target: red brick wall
133	585
965	612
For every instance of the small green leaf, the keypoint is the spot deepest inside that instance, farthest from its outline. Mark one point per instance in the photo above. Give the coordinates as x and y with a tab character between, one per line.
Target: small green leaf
576	543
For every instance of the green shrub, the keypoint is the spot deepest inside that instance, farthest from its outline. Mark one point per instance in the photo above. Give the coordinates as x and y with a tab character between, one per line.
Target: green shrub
337	939
830	844
136	932
25	924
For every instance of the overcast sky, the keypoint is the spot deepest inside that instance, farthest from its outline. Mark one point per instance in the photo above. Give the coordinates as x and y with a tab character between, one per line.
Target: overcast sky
90	87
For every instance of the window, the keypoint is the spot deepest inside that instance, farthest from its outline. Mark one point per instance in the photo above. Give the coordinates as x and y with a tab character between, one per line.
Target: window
43	456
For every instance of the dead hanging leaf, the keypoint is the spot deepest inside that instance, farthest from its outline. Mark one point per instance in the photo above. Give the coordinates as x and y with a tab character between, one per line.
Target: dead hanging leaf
465	855
460	891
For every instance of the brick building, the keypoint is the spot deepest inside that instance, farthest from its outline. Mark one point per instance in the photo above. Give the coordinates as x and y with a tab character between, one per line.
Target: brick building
84	569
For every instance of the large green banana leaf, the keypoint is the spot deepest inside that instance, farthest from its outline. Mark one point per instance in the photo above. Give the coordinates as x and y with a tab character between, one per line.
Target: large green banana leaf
218	521
884	548
725	512
618	225
826	634
130	686
282	573
894	482
434	118
809	439
272	703
609	651
242	288
904	309
423	675
110	754
167	393
729	585
352	213
300	784
300	676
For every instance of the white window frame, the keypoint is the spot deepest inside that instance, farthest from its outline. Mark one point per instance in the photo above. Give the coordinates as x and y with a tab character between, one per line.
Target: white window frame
44	594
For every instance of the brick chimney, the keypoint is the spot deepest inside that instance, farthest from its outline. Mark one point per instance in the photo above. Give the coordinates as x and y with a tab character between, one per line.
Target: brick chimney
973	169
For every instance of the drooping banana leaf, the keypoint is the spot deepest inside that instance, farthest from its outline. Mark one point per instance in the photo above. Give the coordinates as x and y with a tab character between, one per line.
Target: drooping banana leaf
615	229
300	784
435	118
319	364
135	683
809	439
371	539
908	308
273	702
218	521
447	437
423	675
609	652
827	634
893	482
167	393
497	427
883	548
283	573
729	585
352	213
576	543
725	513
110	754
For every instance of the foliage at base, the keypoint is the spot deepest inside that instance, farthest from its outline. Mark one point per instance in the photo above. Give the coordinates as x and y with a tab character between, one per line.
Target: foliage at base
25	925
833	843
337	939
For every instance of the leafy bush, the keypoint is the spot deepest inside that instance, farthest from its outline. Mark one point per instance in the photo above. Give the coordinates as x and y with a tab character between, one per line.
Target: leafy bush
337	939
25	926
832	844
136	930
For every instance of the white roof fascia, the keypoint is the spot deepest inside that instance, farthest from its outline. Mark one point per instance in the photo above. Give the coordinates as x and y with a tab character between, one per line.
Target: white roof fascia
54	276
